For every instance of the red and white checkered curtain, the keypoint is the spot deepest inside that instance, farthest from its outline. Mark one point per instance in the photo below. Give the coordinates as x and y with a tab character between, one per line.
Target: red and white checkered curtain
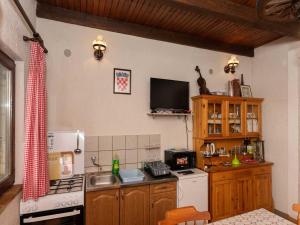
36	181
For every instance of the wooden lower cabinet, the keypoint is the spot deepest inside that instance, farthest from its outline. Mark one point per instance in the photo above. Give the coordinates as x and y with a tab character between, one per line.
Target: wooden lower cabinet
243	194
139	205
222	199
262	191
160	204
102	207
163	197
237	191
134	206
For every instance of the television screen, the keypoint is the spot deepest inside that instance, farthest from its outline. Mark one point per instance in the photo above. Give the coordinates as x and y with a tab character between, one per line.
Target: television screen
169	94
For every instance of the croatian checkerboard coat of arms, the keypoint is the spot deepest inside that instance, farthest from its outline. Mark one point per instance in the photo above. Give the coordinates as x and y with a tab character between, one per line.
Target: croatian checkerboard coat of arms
122	81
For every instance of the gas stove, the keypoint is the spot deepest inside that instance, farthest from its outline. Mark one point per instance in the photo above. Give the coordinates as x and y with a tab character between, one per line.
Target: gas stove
67	185
64	203
63	193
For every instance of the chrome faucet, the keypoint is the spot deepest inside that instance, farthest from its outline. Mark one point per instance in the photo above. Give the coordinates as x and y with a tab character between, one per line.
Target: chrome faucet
93	158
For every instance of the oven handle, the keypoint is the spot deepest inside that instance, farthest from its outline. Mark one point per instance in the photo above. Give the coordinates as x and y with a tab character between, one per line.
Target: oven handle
51	217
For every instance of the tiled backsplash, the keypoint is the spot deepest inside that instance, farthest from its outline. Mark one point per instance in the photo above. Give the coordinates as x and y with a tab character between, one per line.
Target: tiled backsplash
131	150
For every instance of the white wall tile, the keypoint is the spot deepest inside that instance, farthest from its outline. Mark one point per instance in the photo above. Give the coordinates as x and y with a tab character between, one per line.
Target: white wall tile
118	142
120	155
91	169
141	165
131	156
105	143
131	165
154	140
122	166
143	141
87	158
106	168
131	142
105	158
91	143
142	155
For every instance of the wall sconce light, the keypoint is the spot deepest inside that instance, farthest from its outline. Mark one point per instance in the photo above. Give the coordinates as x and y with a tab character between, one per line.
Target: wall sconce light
99	46
233	63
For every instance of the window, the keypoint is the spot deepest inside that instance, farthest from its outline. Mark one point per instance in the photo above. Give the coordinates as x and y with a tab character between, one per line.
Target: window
7	157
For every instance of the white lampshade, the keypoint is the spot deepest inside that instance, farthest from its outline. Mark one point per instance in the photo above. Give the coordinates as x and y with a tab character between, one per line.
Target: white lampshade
233	60
99	43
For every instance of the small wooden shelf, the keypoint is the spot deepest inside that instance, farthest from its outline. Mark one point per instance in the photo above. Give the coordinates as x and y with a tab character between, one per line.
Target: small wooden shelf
168	114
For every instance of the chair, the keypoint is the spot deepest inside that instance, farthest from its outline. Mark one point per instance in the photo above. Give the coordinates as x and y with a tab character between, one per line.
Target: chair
184	215
296	208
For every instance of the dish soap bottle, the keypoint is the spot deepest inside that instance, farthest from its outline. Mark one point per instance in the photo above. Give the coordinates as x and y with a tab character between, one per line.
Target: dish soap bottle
116	167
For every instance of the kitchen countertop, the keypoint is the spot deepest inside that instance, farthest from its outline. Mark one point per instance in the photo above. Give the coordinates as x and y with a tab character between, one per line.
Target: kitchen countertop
119	184
221	168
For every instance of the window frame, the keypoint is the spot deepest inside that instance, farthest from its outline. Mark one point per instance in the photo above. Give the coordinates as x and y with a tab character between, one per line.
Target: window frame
5	184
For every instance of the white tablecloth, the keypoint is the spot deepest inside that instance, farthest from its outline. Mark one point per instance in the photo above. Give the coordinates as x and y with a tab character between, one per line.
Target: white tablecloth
256	217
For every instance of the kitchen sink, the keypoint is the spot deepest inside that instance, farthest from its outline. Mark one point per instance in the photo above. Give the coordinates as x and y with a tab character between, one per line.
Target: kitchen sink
101	179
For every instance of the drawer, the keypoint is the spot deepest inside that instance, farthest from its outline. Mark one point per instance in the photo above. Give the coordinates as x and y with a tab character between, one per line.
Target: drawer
229	175
263	170
163	187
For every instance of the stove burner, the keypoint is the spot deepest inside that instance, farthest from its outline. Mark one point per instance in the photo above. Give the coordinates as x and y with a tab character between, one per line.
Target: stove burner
67	185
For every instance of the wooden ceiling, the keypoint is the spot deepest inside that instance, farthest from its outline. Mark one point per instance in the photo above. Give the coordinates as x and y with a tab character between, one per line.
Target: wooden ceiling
223	25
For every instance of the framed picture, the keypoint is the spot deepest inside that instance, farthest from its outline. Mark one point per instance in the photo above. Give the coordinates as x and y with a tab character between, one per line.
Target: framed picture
246	91
122	81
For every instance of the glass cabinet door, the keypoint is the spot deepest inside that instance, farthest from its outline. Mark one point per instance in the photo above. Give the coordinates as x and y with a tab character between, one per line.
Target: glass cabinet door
252	118
215	120
234	121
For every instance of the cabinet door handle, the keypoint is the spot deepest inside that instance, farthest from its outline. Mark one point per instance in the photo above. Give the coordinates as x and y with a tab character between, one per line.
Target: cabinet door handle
152	205
117	195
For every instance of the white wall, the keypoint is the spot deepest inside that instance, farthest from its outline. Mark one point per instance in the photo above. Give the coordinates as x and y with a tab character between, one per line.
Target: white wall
275	78
12	29
81	88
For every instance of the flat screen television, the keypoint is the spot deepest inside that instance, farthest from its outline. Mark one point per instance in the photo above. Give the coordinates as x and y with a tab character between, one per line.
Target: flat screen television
169	95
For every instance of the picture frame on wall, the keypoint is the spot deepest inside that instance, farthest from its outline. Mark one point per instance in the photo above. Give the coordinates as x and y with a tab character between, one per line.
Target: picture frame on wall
246	91
122	81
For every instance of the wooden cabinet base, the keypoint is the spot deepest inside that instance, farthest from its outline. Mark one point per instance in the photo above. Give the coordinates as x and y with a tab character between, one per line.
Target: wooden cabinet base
139	205
237	191
134	208
163	197
102	207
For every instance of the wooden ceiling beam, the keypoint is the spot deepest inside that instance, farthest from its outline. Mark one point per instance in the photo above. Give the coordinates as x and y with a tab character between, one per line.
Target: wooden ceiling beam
233	12
78	18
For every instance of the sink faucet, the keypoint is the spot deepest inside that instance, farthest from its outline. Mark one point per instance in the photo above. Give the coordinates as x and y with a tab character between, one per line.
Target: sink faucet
93	158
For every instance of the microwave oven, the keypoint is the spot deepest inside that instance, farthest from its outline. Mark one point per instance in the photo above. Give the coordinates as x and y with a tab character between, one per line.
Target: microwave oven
180	159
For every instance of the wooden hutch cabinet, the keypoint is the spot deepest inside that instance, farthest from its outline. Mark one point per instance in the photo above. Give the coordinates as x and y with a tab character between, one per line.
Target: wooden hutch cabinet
227	122
217	117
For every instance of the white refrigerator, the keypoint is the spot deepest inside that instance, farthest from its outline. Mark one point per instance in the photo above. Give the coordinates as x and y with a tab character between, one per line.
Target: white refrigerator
192	189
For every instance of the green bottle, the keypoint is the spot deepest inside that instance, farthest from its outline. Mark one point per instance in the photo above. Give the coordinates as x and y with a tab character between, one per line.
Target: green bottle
115	167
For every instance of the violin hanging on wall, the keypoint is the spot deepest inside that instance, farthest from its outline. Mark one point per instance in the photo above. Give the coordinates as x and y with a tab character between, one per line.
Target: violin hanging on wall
203	90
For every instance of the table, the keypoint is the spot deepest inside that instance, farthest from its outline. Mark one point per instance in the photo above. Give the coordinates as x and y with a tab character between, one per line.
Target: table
256	217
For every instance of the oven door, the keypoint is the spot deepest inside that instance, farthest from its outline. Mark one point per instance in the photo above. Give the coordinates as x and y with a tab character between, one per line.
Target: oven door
66	216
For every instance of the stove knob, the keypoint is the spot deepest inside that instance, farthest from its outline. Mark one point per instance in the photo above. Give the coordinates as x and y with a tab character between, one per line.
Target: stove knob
75	202
35	208
27	209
